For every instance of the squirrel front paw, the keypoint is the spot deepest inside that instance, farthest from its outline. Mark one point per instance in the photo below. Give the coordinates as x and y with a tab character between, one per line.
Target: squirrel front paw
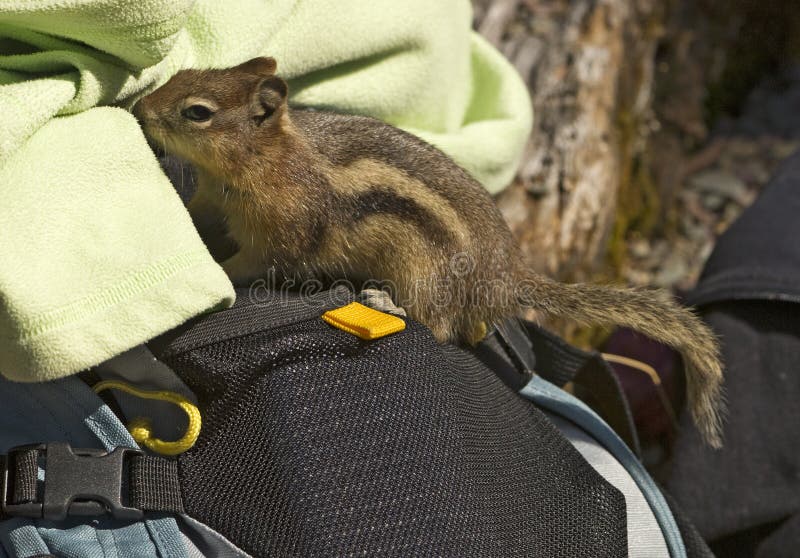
379	300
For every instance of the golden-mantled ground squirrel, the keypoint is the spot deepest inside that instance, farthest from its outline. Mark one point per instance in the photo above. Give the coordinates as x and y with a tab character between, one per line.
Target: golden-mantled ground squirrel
312	194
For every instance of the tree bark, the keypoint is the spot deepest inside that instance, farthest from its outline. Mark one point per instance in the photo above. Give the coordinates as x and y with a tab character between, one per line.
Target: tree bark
589	67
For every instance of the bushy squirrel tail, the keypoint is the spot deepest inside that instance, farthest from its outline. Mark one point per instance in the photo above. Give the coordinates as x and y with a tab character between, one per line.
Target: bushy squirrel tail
654	314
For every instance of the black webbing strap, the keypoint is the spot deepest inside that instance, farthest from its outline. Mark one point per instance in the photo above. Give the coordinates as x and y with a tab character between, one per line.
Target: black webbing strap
25	477
559	363
153	484
124	483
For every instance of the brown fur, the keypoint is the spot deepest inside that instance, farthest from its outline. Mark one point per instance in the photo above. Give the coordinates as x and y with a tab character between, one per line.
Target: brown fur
321	195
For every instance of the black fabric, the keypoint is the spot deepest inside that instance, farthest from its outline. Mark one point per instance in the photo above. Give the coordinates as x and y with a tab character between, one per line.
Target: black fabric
754	479
696	546
154	485
781	542
745	498
758	257
316	443
254	310
747	543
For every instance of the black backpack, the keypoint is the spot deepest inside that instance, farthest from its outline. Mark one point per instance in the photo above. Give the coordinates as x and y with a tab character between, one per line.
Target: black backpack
318	443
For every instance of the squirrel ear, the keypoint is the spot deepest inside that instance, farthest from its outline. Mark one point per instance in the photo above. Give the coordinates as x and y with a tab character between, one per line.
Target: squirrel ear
271	94
261	66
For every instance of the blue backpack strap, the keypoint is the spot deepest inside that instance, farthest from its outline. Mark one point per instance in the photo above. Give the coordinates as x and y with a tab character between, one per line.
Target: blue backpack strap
553	399
68	410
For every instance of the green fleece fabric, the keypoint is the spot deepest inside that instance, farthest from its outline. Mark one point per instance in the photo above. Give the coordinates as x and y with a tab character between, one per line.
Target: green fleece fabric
97	253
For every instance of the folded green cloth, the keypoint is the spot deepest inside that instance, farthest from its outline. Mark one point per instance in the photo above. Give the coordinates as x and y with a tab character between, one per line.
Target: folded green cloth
97	253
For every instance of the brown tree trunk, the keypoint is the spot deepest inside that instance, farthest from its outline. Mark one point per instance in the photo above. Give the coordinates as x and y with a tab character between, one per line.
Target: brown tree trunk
589	66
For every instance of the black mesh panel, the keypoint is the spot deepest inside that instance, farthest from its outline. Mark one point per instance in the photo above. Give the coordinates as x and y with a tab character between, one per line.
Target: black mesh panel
316	443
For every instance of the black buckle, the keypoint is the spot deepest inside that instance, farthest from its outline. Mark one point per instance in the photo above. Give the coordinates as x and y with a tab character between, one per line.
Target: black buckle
517	345
77	482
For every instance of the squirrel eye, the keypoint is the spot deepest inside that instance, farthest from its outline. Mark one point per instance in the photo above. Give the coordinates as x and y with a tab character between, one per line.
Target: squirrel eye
197	113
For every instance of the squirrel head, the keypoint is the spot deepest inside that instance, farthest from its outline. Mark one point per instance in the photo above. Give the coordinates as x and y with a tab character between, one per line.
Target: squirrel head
210	117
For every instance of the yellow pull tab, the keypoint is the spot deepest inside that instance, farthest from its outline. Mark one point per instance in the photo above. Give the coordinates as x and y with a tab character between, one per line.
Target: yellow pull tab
364	322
